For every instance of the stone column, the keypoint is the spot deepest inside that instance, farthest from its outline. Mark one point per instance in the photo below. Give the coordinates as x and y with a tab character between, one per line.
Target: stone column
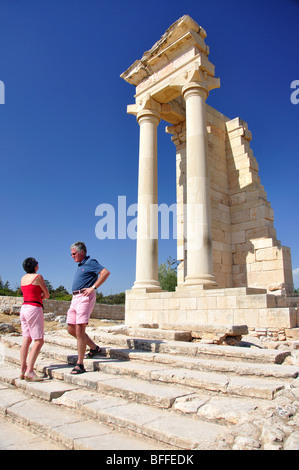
199	239
147	233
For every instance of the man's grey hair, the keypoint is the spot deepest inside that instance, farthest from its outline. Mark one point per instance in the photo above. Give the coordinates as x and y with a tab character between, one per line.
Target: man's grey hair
79	246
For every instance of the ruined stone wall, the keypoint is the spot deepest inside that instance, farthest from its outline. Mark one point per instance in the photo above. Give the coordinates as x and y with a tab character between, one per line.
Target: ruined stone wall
60	307
246	251
259	260
219	193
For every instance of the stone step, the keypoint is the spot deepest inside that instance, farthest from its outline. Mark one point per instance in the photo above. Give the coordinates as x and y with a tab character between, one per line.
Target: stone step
228	367
66	426
213	351
207	359
50	351
265	388
195	404
87	407
200	380
15	437
184	332
235	368
204	389
179	400
158	395
263	369
151	333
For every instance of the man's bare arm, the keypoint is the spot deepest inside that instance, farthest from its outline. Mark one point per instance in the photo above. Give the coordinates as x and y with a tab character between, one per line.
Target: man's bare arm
103	275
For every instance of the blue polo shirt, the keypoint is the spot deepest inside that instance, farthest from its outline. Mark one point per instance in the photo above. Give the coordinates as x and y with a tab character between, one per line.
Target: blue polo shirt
86	274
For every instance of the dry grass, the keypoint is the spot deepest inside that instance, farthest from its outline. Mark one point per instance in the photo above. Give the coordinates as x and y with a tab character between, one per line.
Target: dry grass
50	325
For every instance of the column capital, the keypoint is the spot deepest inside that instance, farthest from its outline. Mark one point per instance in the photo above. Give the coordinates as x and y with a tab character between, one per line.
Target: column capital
147	106
196	77
195	88
148	114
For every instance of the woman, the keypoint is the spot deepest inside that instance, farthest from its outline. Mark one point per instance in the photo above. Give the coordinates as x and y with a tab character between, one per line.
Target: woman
32	317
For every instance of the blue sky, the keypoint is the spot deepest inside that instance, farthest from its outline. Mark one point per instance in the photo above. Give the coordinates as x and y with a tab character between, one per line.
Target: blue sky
67	144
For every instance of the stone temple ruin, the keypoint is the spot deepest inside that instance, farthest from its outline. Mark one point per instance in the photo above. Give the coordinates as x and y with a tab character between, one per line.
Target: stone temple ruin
233	270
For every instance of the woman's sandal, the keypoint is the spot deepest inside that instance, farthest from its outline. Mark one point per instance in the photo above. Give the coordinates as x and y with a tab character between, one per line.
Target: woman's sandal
93	352
32	377
78	369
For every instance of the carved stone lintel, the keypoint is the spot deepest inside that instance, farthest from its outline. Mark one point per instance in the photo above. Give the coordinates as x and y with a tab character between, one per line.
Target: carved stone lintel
197	77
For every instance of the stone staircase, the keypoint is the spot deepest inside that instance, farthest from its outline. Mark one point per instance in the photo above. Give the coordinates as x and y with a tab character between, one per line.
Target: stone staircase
150	388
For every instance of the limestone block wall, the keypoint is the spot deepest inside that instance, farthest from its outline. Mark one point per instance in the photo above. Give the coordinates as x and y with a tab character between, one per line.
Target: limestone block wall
102	311
269	264
230	306
246	252
259	260
219	194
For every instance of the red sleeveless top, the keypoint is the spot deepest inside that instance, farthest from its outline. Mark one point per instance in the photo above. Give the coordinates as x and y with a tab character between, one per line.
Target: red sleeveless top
32	295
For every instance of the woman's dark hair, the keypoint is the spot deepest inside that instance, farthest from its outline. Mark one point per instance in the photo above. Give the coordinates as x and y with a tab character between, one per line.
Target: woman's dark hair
29	265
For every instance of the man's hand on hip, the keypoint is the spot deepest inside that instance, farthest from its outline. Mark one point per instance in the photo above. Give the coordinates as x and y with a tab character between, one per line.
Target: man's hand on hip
87	291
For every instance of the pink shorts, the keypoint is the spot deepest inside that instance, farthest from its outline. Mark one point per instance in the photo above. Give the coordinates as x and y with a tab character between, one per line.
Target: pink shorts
32	321
80	309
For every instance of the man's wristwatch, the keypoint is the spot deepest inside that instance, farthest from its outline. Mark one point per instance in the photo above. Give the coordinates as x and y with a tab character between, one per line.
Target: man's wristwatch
94	287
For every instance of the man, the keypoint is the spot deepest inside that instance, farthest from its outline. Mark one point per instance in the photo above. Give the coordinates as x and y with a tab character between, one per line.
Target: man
89	276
